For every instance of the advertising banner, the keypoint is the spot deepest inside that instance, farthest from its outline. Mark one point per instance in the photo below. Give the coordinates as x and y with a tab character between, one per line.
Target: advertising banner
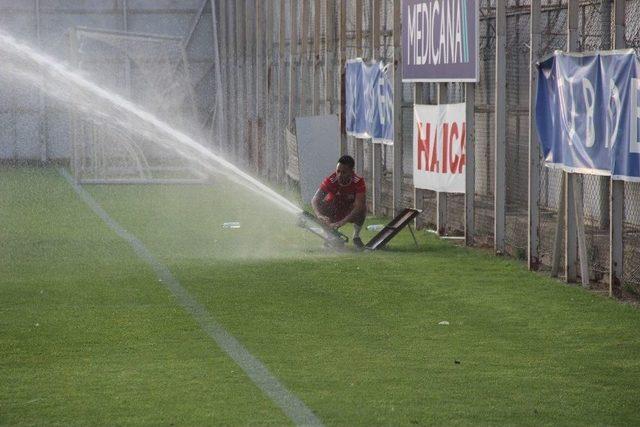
587	113
368	101
439	147
440	40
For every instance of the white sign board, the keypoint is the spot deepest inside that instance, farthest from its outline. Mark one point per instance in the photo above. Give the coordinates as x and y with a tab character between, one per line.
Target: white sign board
318	151
439	147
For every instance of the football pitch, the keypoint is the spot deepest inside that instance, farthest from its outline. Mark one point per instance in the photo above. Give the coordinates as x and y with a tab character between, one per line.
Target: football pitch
134	305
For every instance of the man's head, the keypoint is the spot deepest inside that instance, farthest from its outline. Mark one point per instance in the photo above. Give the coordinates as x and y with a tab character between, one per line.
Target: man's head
344	169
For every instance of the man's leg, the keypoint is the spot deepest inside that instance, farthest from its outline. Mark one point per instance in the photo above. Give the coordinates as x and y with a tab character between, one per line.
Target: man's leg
358	222
329	210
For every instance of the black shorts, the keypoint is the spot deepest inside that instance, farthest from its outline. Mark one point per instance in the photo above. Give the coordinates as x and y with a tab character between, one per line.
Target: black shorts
336	214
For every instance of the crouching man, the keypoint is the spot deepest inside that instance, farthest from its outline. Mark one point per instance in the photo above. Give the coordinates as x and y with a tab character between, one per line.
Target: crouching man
341	198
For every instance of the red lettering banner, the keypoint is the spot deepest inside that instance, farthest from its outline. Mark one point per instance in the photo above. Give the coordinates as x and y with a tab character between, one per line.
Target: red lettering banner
439	147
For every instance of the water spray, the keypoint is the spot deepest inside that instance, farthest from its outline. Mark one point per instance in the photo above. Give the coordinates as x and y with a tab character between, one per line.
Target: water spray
42	71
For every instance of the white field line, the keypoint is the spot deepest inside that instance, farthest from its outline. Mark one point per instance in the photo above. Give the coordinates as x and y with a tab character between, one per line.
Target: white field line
291	405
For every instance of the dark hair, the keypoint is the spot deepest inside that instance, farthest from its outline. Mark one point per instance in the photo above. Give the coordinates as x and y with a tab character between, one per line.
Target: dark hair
348	161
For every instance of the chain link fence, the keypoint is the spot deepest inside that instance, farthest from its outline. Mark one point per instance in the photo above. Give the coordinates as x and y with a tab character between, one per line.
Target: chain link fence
299	82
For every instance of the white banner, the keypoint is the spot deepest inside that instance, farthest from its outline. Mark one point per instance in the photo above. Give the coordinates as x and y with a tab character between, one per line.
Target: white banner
439	147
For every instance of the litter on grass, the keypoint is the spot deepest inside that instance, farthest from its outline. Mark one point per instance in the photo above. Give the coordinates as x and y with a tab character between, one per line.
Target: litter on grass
231	225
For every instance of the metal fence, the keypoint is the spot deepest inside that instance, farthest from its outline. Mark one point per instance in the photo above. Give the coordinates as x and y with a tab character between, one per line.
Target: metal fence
304	52
284	58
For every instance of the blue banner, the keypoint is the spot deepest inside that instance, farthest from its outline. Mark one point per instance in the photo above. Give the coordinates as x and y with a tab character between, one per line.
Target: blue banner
368	101
587	113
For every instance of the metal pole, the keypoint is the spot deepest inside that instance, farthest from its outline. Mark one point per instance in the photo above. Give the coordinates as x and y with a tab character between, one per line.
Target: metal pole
582	240
500	127
42	100
282	82
223	50
304	55
240	54
570	233
249	22
470	166
76	163
267	90
343	60
315	98
557	245
616	203
604	190
376	167
125	27
232	73
358	22
221	121
293	53
358	143
185	62
398	174
258	139
533	260
571	238
420	96
330	56
441	198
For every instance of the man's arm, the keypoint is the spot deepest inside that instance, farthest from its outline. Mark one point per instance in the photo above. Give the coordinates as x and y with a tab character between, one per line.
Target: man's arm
315	204
359	206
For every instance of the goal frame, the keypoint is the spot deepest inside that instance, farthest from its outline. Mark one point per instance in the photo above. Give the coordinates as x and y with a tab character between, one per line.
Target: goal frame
79	143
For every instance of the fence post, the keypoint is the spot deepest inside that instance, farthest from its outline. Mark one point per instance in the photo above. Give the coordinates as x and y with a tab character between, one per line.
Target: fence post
359	143
533	258
239	11
398	174
500	127
247	29
282	82
441	198
470	167
604	187
256	101
317	13
616	203
43	128
419	97
267	89
343	60
570	179
232	73
570	234
218	120
221	19
76	164
304	55
293	53
376	158
329	56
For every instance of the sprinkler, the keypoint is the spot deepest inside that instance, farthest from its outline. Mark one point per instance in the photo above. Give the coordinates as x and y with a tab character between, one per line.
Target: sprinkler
332	237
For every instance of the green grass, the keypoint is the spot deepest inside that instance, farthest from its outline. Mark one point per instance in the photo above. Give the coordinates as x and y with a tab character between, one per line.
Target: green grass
88	335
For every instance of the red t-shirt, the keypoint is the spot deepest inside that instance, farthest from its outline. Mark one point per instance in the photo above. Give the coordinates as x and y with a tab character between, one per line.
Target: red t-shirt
342	197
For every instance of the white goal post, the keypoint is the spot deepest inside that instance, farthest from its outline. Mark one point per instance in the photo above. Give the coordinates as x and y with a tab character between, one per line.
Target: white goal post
150	71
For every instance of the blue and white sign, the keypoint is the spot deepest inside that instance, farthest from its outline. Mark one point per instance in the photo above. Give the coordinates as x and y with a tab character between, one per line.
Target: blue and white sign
587	113
368	101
